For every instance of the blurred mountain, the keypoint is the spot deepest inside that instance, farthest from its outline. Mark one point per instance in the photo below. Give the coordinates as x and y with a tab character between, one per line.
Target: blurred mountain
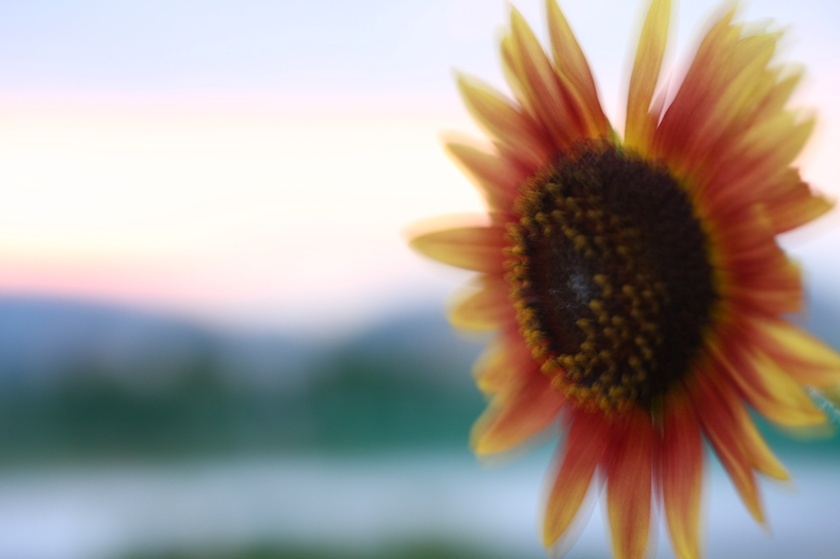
43	339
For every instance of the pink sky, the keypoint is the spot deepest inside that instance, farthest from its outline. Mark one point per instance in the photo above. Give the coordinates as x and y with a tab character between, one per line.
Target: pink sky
279	206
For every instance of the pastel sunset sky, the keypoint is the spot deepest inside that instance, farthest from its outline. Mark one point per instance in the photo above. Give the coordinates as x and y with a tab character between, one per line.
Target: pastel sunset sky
257	163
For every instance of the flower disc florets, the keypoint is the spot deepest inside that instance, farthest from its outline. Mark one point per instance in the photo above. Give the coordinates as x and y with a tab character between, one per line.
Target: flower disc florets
611	276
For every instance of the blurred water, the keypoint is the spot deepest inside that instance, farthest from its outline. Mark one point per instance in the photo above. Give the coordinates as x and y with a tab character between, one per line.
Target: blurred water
339	503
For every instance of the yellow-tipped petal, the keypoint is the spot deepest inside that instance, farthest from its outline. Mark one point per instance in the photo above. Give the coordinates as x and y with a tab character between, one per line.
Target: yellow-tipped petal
472	248
802	356
484	309
762	458
629	471
572	66
682	475
543	91
503	120
585	446
777	140
717	423
645	75
493	371
516	416
770	390
496	178
796	208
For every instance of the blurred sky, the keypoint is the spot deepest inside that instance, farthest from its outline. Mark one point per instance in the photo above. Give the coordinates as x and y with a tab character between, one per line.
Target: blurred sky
256	162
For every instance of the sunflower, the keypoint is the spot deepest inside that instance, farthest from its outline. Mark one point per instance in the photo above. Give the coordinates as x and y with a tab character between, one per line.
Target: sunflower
635	284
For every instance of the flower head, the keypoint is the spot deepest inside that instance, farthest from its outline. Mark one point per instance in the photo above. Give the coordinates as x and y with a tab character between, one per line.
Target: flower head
635	283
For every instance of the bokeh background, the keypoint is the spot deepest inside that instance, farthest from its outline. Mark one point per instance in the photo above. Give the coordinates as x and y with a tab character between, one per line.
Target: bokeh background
213	339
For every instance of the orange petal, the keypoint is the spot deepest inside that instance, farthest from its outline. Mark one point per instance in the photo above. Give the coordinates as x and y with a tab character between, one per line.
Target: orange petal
586	442
484	309
472	248
796	208
720	428
517	416
629	466
777	289
646	67
682	474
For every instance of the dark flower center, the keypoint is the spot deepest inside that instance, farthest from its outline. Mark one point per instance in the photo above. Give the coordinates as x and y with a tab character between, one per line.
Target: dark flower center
611	276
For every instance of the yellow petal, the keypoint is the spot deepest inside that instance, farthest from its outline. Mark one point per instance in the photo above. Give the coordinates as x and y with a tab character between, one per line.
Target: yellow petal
643	80
472	248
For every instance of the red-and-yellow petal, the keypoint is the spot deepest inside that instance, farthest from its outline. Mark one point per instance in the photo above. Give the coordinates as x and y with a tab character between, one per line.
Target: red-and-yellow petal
800	355
573	70
721	429
646	67
544	93
762	383
628	465
586	444
496	177
682	473
755	274
516	415
506	123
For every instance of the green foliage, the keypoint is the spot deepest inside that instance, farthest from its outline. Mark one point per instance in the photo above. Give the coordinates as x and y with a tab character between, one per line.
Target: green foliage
351	402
